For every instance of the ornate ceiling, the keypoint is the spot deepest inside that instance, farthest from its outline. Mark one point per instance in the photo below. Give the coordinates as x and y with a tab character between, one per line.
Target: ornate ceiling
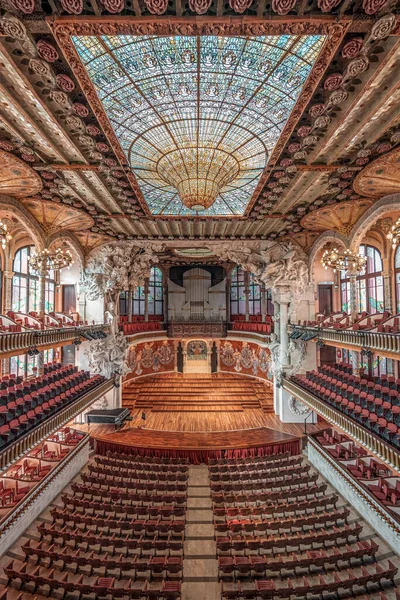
325	118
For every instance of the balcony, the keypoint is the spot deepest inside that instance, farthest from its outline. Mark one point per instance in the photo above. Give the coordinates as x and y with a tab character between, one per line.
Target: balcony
368	439
20	342
388	343
23	444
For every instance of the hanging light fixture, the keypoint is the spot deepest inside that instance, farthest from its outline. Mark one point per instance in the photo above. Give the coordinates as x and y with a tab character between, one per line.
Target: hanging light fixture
343	260
45	261
5	237
394	234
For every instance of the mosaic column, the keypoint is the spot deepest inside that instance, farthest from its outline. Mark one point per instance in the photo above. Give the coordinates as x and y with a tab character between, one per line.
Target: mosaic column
42	296
353	304
355	361
8	277
387	290
40	363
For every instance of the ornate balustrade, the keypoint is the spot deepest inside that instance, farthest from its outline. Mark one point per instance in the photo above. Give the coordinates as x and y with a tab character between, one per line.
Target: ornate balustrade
378	342
20	342
346	424
215	329
42	431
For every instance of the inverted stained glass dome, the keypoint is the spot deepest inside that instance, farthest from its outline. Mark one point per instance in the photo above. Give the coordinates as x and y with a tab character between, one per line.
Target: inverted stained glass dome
198	117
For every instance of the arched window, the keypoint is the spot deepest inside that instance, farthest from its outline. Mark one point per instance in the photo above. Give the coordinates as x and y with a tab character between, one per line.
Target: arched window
25	285
397	277
370	290
238	297
239	280
155	299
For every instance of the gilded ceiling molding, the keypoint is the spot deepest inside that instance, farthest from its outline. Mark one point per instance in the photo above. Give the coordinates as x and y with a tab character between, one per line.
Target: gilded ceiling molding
65	27
381	208
24	217
69	238
328	237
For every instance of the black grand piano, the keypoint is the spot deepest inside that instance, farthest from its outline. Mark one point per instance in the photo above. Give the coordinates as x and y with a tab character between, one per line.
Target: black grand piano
113	416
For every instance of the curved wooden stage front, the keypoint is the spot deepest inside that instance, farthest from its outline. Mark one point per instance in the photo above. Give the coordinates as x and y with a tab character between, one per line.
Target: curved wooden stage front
197	446
200	417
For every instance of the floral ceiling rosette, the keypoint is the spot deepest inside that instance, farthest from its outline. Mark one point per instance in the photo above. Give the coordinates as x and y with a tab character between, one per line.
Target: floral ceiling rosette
197	117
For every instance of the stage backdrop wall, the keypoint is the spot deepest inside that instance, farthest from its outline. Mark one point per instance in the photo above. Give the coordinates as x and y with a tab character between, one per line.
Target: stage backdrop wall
245	358
151	357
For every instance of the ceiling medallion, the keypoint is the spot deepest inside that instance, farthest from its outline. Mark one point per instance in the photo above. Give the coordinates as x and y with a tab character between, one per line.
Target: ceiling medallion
16	177
197	116
339	217
381	177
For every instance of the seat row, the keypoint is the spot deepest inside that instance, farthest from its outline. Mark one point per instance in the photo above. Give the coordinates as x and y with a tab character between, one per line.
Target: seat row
116	494
349	584
216	464
131	543
293	509
140	466
148	460
131	474
254	565
111	508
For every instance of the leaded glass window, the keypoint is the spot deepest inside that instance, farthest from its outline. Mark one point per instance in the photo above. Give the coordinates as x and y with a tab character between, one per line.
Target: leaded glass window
370	286
173	98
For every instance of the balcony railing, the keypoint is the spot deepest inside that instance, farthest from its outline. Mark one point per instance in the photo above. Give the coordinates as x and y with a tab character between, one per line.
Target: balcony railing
20	342
346	424
193	328
384	342
35	436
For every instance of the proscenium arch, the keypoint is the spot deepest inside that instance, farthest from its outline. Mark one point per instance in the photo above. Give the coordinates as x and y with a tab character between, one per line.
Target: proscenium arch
25	218
378	210
324	239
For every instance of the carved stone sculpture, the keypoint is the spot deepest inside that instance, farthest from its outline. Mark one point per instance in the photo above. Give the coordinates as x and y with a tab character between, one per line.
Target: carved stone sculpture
108	356
115	268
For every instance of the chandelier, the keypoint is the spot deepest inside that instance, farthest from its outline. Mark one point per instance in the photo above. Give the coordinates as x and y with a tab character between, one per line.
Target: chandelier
45	261
343	261
198	173
4	235
394	234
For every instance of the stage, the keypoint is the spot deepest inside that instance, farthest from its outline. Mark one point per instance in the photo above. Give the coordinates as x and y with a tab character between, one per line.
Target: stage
199	424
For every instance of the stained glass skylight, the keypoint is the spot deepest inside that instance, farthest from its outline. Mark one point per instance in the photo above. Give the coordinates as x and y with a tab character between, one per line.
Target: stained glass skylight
189	110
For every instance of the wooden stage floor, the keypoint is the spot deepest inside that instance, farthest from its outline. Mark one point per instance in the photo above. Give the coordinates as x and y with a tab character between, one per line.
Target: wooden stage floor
205	429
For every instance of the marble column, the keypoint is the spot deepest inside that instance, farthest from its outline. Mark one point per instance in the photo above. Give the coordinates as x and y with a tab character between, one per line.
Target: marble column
387	290
130	298
8	277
